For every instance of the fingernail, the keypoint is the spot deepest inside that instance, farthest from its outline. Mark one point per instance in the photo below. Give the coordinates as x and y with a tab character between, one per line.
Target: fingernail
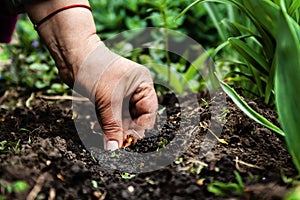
112	145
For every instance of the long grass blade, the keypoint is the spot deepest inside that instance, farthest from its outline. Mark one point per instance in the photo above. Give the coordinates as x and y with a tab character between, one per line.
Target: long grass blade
293	9
187	9
270	82
233	2
216	19
287	82
248	110
216	50
195	66
250	55
265	12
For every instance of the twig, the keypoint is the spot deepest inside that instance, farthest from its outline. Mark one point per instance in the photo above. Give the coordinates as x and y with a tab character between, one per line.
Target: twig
38	186
52	194
237	161
103	196
27	103
219	140
4	97
71	98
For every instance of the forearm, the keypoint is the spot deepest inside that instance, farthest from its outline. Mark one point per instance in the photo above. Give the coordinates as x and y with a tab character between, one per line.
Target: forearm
70	35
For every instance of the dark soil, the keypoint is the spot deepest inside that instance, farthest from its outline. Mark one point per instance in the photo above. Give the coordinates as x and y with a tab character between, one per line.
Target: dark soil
44	150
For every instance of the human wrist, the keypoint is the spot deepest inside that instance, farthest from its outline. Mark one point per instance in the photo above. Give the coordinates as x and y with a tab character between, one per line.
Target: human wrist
39	9
70	35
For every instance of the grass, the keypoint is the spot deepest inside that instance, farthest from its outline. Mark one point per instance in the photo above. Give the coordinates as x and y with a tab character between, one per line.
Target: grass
5	146
17	187
227	189
266	61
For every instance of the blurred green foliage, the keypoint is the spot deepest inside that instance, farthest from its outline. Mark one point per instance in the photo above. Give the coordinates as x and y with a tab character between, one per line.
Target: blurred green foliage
165	66
113	17
30	66
264	55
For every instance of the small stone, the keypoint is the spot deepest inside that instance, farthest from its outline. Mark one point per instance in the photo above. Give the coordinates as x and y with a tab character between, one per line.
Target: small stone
210	156
75	168
48	162
124	194
130	189
97	194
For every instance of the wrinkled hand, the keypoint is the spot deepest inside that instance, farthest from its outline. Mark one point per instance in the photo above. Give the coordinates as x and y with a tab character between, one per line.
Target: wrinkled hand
122	90
123	94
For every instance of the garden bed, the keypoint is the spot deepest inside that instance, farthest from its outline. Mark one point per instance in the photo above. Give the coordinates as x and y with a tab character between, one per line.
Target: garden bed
43	149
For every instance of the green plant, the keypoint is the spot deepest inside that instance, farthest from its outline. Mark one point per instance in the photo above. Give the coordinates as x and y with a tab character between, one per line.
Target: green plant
287	78
271	54
294	194
16	146
28	62
115	155
94	184
225	189
165	66
127	175
162	144
205	102
5	146
248	110
252	35
179	161
17	186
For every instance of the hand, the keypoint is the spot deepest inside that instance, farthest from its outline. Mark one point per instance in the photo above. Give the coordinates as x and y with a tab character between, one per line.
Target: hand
123	93
122	90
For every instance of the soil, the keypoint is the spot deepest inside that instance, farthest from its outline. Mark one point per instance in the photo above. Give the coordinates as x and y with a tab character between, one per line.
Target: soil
43	148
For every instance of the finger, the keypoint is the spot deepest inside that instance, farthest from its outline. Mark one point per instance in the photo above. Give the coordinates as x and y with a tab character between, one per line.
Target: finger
110	120
144	121
144	105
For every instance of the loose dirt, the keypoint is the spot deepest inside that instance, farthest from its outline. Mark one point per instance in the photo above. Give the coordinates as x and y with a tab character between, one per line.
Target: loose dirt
43	149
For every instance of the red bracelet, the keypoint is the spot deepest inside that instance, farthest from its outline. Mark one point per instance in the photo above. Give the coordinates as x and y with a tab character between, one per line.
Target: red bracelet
36	26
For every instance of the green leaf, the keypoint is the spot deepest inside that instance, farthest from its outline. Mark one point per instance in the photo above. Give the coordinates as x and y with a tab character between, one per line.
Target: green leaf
248	110
270	82
265	12
294	7
39	67
239	179
187	9
224	189
232	29
195	66
3	144
216	19
135	22
237	28
94	184
287	81
250	55
174	81
19	186
233	2
127	176
293	195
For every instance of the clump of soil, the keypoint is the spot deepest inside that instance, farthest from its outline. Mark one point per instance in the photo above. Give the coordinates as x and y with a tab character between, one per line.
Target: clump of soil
43	149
